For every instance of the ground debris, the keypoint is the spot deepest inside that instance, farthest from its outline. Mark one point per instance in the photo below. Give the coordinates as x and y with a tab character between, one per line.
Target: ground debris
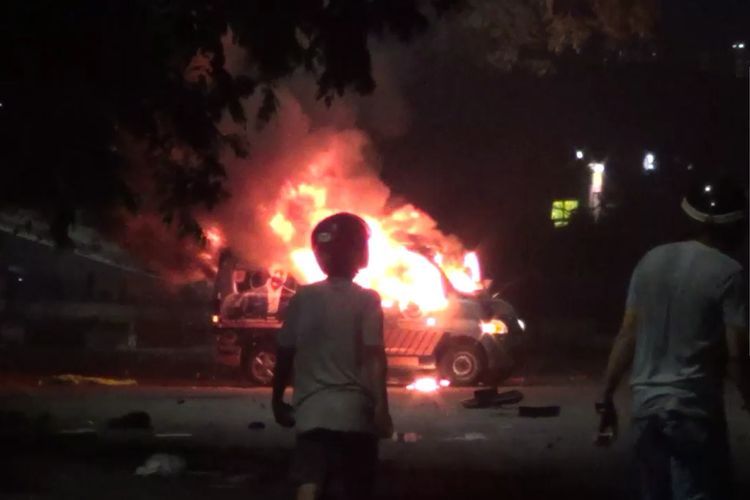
490	398
406	437
73	379
469	436
538	411
133	420
162	464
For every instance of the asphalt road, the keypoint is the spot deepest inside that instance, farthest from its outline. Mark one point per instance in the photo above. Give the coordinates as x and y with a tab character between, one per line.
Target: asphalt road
444	450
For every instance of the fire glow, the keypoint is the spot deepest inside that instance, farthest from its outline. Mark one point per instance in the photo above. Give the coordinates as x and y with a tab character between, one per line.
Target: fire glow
427	385
405	247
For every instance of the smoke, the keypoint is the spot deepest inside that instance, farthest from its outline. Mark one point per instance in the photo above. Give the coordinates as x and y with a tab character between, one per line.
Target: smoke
307	138
295	147
304	142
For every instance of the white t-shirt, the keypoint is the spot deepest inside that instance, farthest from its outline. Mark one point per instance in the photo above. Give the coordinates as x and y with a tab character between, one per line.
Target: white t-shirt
329	324
684	295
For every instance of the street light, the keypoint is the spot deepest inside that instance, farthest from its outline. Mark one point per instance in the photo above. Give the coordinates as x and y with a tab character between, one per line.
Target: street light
649	161
596	187
579	154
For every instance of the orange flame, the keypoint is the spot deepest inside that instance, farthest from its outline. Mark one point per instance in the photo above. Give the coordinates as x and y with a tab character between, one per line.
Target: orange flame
407	252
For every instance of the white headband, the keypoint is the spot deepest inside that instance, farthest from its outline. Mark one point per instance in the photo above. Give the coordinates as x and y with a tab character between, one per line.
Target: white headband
696	214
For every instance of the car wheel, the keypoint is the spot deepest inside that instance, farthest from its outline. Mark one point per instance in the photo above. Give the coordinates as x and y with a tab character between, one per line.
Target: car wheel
462	365
259	364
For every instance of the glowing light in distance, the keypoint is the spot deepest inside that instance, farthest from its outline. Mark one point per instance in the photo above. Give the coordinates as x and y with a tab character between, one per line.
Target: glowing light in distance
431	321
522	324
579	154
707	188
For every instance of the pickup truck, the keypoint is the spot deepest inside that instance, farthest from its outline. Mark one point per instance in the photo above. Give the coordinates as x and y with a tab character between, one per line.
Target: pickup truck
472	340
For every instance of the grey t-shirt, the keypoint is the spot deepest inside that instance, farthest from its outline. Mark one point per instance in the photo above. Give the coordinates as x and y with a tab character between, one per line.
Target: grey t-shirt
329	324
684	295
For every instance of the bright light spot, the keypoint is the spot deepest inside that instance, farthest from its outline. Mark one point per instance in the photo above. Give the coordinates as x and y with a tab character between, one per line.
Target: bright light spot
471	263
282	226
579	154
741	45
215	319
445	383
522	324
20	279
713	203
597	186
431	321
734	46
649	162
387	304
425	384
597	168
494	327
213	235
707	188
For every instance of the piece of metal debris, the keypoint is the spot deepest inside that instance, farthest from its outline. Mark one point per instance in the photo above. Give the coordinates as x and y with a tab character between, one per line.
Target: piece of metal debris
490	398
538	411
72	379
132	420
162	464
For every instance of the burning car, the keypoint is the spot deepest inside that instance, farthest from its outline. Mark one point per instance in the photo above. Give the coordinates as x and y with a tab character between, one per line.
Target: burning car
472	338
439	315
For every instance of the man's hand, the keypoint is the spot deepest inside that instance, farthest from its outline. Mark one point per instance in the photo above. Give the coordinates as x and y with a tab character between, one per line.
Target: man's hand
283	413
383	423
608	423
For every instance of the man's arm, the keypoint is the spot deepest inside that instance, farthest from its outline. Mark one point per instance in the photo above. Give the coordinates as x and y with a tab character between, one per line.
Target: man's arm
738	368
621	356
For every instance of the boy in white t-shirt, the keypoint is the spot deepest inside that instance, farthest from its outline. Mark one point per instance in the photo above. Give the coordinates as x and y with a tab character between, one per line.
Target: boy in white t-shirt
332	342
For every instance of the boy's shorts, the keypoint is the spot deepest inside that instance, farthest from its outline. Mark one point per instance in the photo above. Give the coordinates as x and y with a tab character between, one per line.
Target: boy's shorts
341	463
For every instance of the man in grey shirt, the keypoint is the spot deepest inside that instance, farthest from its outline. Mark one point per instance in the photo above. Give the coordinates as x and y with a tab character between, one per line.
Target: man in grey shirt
685	327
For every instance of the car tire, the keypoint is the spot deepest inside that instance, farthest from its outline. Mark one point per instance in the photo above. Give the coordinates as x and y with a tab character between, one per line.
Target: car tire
462	365
258	364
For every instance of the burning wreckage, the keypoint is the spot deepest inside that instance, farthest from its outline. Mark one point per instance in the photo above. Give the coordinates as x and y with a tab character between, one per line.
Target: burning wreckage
440	317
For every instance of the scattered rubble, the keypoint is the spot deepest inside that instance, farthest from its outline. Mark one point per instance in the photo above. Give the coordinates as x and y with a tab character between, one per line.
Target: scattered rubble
135	420
406	437
469	436
163	465
538	411
72	379
490	398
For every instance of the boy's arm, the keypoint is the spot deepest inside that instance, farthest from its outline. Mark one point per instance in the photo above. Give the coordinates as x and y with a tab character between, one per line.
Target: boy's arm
376	364
286	341
377	367
282	374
